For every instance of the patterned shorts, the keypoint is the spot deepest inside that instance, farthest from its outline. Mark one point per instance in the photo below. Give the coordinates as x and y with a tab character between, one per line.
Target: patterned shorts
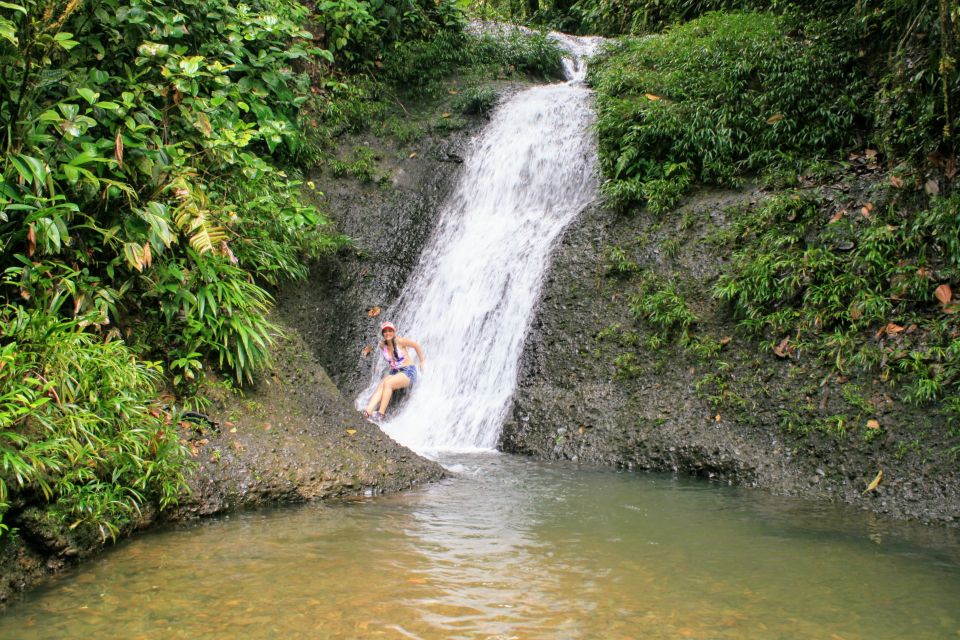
409	371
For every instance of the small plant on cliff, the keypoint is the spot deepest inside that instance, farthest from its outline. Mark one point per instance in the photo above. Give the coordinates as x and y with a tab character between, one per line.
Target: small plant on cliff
662	306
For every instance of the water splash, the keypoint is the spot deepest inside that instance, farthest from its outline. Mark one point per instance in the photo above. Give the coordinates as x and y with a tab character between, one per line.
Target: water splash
470	299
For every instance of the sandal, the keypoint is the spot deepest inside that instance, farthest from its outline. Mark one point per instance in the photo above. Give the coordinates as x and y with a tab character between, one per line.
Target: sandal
365	414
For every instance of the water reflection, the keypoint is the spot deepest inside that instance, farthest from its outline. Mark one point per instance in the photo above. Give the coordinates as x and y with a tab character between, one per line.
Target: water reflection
516	549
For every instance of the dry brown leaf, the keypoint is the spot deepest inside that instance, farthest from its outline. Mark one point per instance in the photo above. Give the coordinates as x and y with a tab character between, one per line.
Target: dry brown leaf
118	148
777	117
896	182
581	430
452	92
31	241
717	417
373	312
147	255
924	272
873	424
445	114
931	187
783	349
837	216
943	293
725	340
351	432
650	96
892	328
951	308
413	154
871	154
855	312
866	209
876	482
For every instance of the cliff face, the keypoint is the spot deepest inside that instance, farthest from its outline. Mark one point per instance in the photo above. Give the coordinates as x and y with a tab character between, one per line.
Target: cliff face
593	389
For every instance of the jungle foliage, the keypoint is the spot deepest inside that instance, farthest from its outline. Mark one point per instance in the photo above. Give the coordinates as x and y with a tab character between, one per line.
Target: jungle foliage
150	194
847	113
865	289
141	194
713	98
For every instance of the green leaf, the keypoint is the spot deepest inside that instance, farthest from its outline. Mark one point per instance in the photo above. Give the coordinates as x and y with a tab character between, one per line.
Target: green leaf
65	40
30	169
8	32
88	94
69	111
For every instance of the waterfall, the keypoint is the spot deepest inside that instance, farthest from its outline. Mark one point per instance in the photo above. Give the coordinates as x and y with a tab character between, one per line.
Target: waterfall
470	299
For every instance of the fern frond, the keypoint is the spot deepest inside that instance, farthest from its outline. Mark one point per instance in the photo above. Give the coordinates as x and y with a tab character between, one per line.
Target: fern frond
192	217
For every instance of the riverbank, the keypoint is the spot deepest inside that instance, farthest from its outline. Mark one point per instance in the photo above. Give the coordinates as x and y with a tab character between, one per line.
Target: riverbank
629	402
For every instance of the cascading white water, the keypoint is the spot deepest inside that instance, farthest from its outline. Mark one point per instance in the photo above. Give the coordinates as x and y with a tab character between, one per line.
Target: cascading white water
470	299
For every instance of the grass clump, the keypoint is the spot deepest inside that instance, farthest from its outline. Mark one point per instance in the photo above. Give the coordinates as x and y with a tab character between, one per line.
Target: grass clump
81	433
477	101
711	99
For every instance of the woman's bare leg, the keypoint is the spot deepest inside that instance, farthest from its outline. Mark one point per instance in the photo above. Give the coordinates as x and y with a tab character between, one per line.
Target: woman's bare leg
390	384
376	396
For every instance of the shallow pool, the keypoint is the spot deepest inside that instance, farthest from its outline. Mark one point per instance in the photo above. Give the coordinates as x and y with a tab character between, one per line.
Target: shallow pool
511	548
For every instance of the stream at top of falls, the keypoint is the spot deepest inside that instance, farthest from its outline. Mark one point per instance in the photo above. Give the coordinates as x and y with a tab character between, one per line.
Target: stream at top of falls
470	299
511	548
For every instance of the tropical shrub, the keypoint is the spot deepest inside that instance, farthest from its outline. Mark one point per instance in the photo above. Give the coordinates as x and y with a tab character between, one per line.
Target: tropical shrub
80	430
638	17
713	98
159	153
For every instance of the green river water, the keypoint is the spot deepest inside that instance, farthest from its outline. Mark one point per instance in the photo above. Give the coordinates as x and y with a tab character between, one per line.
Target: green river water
511	548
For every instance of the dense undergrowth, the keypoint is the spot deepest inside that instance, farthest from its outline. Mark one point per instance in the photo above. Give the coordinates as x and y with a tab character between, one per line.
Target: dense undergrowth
848	119
150	195
712	99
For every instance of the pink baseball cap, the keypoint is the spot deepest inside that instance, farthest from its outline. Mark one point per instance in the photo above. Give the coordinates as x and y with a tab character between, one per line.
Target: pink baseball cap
387	325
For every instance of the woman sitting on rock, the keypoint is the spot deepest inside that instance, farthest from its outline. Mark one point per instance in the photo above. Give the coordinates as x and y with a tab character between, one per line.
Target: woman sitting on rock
396	351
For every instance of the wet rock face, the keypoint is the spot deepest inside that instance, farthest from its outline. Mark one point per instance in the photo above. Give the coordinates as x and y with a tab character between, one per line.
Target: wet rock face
571	402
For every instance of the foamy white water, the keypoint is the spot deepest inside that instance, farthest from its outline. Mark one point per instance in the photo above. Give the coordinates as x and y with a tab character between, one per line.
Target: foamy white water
470	300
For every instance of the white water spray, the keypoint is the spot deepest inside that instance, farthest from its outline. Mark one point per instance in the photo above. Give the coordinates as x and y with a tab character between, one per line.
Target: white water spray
470	299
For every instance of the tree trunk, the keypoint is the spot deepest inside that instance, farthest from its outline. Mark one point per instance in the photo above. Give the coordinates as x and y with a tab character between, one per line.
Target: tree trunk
532	7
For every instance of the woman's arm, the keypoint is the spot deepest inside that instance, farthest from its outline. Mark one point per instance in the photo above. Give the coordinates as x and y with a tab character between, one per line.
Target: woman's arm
407	342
